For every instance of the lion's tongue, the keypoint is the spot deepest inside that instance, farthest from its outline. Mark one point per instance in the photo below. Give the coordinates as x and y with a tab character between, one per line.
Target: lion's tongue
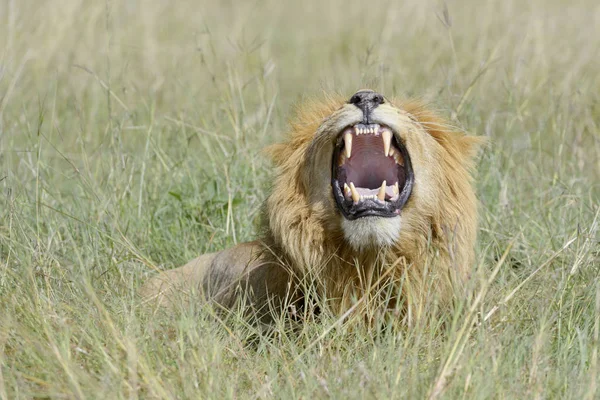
389	191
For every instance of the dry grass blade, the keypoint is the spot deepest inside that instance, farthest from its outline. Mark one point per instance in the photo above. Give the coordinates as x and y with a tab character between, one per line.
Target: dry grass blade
469	321
520	285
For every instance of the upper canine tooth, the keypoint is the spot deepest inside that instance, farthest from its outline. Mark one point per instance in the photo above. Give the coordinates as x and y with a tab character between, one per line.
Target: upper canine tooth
355	195
348	143
381	193
387	141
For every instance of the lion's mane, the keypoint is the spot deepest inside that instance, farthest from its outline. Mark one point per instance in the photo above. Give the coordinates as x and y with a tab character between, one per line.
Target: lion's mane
435	249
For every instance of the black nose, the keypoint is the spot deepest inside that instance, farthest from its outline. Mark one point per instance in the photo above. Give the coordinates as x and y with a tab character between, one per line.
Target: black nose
367	101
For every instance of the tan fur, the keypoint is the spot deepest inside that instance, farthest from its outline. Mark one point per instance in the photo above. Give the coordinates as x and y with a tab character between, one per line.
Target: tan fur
303	238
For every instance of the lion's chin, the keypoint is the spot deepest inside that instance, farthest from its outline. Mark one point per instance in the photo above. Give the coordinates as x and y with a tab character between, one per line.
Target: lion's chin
371	232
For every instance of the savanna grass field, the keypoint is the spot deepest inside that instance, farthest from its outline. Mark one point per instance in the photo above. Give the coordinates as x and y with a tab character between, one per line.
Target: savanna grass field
130	142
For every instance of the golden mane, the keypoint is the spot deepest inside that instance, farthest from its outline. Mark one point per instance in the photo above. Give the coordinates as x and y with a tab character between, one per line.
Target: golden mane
440	240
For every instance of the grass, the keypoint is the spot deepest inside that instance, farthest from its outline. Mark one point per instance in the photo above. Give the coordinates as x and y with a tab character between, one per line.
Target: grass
130	137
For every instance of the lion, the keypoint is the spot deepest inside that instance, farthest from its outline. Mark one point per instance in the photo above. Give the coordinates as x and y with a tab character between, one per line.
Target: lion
369	194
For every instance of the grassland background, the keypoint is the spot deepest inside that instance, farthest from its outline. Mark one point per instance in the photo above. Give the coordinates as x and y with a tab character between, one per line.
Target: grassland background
130	137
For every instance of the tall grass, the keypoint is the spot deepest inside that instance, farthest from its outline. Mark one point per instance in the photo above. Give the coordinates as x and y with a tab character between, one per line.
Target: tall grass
130	137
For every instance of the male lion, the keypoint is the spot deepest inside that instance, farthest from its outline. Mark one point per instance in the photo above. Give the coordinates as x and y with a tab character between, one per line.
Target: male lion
369	193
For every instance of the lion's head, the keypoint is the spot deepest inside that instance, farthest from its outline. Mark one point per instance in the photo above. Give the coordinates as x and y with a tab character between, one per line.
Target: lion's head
372	175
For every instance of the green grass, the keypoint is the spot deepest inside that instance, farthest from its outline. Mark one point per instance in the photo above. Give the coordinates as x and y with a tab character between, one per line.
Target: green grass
130	137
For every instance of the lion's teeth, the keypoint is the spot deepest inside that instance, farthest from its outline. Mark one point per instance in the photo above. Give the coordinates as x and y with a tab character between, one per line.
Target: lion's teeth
395	188
381	193
347	191
348	143
365	130
398	159
387	141
354	192
392	152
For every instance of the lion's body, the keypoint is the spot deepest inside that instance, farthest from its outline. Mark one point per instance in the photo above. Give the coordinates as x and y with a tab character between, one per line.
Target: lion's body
220	277
428	248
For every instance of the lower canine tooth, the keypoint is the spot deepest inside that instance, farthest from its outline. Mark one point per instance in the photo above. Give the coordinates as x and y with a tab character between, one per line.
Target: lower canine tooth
395	188
381	193
347	191
354	192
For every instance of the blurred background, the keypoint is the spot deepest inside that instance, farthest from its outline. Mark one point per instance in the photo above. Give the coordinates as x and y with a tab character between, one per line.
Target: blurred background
150	116
158	110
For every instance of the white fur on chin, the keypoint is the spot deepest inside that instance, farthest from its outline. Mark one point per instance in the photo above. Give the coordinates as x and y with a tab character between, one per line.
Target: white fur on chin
371	231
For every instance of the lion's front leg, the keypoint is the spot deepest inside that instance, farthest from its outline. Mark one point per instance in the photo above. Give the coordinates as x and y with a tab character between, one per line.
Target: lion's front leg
178	285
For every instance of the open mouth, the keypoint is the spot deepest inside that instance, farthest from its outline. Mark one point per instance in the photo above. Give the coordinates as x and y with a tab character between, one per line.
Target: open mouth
371	172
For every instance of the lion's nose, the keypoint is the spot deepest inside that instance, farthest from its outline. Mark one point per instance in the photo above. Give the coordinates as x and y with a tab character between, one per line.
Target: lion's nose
367	100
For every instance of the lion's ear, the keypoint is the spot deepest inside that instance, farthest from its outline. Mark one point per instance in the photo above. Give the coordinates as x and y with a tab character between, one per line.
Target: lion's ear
453	139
